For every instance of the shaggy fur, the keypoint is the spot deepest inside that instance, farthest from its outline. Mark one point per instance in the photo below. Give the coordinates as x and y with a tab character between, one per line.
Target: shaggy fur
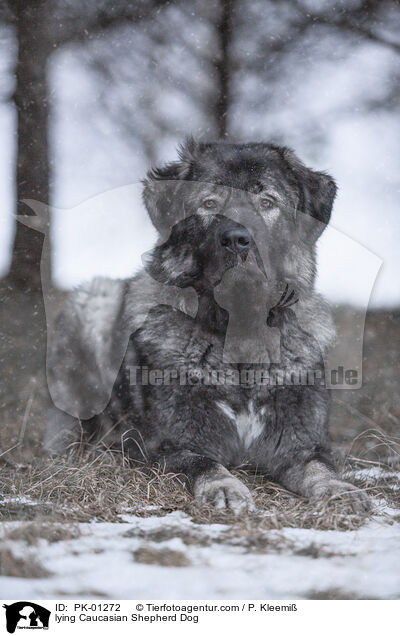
228	290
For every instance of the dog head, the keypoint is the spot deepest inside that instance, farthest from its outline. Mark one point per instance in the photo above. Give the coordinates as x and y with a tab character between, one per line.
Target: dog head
265	188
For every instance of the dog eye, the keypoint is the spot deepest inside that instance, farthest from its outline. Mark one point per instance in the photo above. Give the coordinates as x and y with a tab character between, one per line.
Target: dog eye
267	203
209	204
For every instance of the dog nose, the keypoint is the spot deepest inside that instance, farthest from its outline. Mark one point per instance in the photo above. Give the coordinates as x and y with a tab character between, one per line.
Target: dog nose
236	240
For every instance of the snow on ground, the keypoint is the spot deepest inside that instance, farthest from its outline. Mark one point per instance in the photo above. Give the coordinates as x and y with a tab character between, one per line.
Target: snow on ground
171	557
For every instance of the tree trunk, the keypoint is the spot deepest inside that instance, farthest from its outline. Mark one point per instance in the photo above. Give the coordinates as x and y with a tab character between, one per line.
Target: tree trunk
32	162
223	66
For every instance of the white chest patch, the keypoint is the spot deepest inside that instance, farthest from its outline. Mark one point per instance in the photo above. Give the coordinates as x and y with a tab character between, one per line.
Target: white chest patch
249	424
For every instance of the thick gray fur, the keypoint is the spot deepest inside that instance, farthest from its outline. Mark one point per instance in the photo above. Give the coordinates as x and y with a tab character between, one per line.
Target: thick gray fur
179	311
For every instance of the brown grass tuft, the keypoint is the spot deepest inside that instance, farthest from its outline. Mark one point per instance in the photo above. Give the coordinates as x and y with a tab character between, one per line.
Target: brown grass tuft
31	532
11	565
163	556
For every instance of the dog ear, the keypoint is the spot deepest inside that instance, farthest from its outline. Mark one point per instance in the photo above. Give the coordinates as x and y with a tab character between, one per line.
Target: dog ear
318	191
162	186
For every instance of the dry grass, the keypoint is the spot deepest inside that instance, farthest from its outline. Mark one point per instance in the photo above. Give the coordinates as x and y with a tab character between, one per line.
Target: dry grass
337	594
164	556
82	487
26	567
31	532
79	488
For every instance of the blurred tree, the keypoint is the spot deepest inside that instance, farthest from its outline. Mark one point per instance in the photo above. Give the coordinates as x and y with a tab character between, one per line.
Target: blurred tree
32	158
201	65
223	64
199	57
373	20
41	26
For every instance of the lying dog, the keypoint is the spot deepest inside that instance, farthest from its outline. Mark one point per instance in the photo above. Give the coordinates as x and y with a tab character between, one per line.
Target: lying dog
197	391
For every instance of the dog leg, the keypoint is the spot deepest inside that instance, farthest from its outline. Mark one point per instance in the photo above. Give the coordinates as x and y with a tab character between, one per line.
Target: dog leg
212	484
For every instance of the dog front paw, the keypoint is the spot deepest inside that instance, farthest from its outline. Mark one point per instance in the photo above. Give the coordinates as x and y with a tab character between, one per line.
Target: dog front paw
343	490
223	491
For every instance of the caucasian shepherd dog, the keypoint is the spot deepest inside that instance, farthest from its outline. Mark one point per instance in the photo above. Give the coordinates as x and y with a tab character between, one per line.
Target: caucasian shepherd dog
222	337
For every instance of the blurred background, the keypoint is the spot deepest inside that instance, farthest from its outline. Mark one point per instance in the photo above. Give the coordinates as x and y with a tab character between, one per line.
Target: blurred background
93	93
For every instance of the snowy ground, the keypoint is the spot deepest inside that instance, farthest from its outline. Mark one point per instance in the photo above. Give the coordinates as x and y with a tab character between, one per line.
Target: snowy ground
171	557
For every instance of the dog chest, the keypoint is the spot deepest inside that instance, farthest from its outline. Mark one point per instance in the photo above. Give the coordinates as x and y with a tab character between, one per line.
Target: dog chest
249	422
